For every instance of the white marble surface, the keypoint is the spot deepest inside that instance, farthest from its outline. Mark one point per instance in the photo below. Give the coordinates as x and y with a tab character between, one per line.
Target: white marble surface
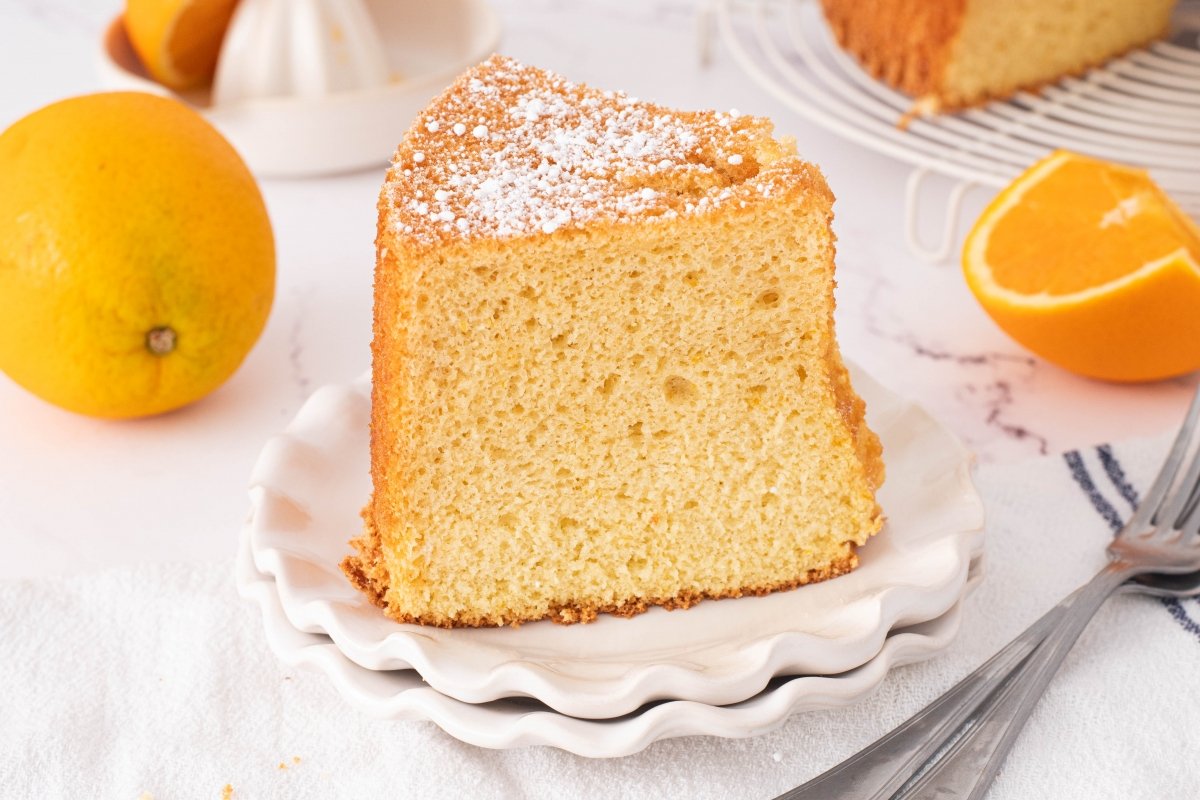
78	494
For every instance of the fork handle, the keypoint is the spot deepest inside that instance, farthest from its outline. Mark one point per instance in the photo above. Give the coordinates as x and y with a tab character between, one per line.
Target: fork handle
880	770
968	767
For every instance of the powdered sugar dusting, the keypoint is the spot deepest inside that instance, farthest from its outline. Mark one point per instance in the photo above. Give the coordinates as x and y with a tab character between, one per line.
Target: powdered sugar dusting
545	154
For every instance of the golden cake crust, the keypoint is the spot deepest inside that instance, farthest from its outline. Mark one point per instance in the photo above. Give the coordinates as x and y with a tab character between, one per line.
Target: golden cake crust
904	43
559	155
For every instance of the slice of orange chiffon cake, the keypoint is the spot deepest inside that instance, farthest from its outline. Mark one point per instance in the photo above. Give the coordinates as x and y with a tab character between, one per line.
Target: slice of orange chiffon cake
604	368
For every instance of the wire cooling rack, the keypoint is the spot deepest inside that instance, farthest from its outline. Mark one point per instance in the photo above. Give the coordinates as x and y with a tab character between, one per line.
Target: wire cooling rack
1142	109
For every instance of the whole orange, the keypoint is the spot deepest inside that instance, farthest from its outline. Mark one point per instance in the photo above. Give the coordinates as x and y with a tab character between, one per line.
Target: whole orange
137	262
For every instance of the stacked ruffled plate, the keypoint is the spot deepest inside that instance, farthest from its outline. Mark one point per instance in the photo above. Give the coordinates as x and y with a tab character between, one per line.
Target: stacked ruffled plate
610	688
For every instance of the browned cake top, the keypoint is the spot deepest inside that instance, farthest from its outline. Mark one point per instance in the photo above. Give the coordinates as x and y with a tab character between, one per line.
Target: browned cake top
510	150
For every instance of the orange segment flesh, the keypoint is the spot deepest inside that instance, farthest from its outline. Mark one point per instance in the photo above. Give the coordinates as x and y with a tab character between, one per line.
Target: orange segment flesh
1093	267
179	41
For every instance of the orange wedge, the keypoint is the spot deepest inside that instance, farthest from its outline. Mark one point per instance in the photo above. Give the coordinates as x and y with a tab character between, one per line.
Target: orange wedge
1091	266
179	40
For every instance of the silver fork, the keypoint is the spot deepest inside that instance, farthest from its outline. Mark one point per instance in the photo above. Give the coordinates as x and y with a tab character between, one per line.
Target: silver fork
1162	537
954	747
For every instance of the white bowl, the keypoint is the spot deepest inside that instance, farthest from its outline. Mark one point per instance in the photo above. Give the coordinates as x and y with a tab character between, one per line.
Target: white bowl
427	44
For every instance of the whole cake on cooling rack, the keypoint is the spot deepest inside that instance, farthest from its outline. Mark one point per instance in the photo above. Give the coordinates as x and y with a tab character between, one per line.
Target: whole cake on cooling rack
954	53
605	374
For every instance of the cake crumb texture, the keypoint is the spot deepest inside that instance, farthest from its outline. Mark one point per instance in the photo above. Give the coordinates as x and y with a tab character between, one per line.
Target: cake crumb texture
615	386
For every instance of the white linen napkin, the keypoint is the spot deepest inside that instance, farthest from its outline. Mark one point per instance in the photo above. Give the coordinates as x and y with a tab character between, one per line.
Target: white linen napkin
156	681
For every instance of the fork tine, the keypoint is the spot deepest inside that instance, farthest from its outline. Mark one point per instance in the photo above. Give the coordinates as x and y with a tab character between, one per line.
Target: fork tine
1188	518
1149	506
1190	524
1172	514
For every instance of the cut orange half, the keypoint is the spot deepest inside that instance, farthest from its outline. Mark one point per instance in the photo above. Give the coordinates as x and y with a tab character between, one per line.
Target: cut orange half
1093	267
179	40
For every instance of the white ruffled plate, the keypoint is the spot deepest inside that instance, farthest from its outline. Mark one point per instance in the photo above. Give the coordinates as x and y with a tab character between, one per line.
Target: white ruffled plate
521	722
311	482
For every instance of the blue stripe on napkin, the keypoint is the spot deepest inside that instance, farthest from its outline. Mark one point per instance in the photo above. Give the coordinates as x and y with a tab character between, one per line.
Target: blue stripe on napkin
1117	475
1079	472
